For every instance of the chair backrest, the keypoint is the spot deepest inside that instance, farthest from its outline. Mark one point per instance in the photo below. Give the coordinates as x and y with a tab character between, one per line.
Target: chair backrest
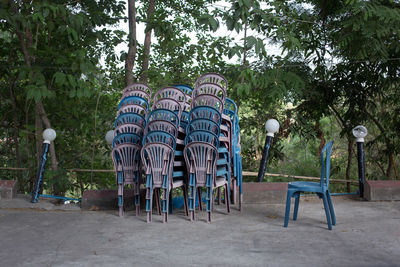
326	163
209	101
204	112
132	118
158	160
202	136
212	78
204	125
160	137
201	159
134	100
138	93
129	128
184	88
184	119
161	125
210	89
128	157
163	114
170	92
137	87
127	138
133	108
168	103
230	105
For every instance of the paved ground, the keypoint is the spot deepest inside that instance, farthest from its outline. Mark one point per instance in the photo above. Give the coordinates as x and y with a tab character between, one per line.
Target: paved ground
367	234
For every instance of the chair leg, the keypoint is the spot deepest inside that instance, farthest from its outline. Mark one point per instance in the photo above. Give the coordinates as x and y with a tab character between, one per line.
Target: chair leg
287	211
193	209
185	201
150	205
296	206
331	209
199	198
136	189
120	194
157	196
327	213
228	209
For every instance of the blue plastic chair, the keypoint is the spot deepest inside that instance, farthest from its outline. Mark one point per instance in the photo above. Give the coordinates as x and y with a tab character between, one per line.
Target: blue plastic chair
136	100
127	138
163	114
205	112
184	88
160	137
321	189
131	118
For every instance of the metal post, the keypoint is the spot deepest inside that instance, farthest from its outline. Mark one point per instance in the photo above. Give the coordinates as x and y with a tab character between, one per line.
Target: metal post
361	167
39	176
264	159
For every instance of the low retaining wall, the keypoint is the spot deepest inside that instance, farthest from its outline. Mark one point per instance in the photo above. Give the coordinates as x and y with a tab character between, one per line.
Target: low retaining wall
264	193
382	190
8	189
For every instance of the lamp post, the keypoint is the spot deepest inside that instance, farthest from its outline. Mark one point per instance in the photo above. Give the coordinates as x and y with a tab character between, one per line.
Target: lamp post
110	136
272	126
48	136
360	132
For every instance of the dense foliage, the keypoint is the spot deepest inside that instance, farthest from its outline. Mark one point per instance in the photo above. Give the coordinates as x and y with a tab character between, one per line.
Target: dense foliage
339	67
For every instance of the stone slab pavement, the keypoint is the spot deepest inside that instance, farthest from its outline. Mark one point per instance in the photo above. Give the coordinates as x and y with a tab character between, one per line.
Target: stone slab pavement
367	234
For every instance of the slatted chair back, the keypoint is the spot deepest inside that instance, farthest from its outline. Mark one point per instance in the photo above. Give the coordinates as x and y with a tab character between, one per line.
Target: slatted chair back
136	100
128	157
203	125
160	137
163	126
170	104
127	138
158	160
132	108
230	105
137	93
202	136
131	118
326	164
205	112
163	114
212	78
138	87
184	88
210	89
209	101
170	92
184	119
201	159
129	128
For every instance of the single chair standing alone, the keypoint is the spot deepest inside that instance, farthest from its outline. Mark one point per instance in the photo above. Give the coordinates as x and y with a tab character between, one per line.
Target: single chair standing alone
321	189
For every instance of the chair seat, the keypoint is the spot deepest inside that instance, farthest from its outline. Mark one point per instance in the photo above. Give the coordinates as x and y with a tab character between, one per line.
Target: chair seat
306	186
177	183
220	181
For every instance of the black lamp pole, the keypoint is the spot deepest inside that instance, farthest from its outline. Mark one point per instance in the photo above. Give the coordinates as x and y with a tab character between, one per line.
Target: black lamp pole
361	167
264	159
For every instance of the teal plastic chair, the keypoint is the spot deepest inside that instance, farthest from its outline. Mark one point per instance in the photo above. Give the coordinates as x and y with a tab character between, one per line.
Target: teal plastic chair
321	189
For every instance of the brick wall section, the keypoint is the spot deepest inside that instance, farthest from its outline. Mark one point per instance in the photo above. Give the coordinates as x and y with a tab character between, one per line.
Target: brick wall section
8	189
382	190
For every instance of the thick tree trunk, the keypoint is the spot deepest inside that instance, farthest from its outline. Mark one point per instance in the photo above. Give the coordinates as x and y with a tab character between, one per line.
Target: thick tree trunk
147	44
390	167
130	59
16	136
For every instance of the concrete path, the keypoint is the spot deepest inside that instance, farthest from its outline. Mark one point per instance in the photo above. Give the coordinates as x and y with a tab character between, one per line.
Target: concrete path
367	234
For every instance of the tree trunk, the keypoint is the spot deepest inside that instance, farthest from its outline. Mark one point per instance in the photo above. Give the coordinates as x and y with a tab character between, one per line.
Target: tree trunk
350	151
130	59
389	170
147	43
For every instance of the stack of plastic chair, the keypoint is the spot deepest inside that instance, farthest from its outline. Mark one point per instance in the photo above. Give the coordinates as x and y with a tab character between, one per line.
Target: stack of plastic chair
207	150
158	153
231	111
128	134
186	106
